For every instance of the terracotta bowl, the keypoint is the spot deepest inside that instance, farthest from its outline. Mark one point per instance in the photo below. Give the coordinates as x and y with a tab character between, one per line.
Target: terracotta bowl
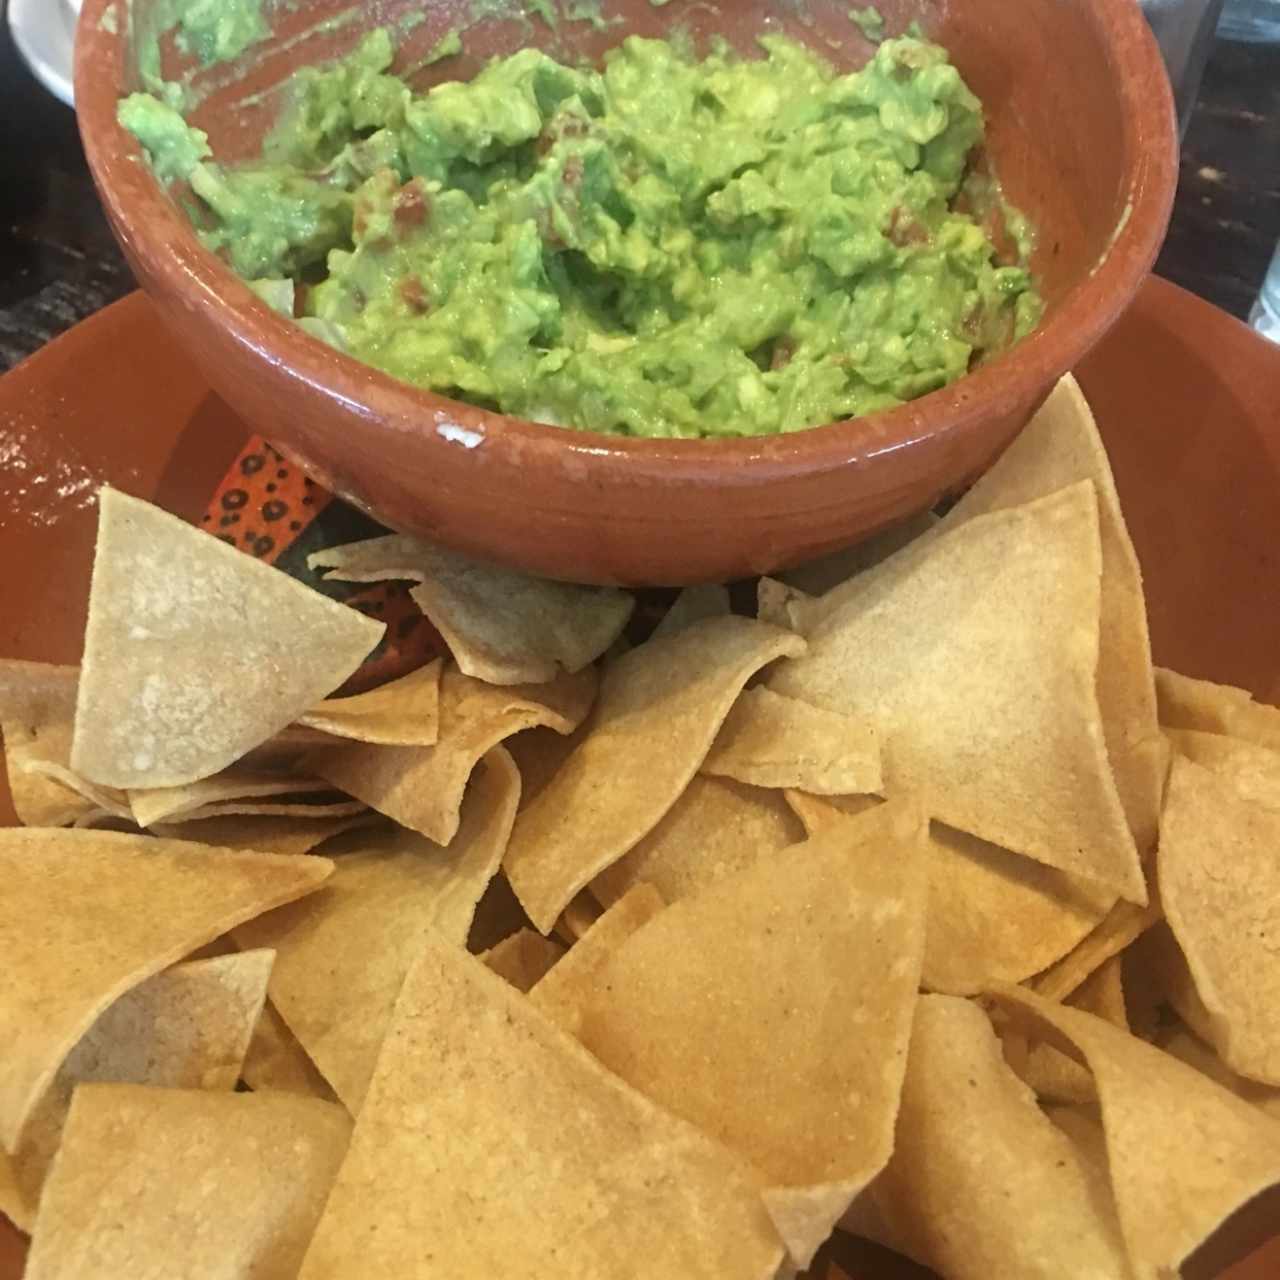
1081	133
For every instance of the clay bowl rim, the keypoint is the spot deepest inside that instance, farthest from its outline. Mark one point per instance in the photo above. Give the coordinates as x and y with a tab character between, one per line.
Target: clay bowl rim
152	227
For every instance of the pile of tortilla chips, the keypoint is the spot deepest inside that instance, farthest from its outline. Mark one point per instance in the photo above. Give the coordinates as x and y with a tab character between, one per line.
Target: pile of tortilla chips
918	906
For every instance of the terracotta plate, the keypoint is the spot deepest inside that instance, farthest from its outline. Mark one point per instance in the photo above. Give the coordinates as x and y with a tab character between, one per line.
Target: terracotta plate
1185	396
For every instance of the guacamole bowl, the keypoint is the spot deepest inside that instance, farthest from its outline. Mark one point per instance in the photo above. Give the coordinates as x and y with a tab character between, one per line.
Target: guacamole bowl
1079	132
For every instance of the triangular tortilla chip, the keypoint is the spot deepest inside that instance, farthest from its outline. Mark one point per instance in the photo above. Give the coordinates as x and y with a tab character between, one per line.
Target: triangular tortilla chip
186	1028
501	625
694	604
342	956
1183	1152
715	828
817	577
263	834
37	715
403	713
1186	703
422	787
275	1060
981	1183
1219	868
100	799
773	1011
493	1136
173	804
188	661
976	660
1114	932
1254	771
659	710
172	1181
769	740
524	958
87	915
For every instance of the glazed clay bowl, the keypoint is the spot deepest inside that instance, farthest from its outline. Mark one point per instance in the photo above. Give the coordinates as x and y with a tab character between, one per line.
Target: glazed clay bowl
1081	134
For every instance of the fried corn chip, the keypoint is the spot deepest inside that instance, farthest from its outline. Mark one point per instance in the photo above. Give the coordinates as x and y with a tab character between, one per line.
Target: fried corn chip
1186	703
87	915
1118	929
275	1060
524	1147
578	917
501	626
422	787
230	1184
1187	1047
37	715
773	1011
174	804
769	740
694	604
817	577
1253	770
524	958
990	714
660	706
186	666
342	956
402	713
290	834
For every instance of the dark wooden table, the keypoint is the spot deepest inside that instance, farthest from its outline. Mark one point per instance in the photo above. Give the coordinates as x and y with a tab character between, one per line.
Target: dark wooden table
59	264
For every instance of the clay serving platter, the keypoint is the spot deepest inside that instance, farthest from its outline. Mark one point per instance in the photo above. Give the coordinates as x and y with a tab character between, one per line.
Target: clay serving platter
1185	396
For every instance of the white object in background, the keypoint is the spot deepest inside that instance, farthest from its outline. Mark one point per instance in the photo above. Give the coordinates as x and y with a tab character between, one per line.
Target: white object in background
44	32
1265	316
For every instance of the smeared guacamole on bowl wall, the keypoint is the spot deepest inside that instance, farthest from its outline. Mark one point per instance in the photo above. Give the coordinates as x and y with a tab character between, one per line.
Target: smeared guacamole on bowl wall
671	246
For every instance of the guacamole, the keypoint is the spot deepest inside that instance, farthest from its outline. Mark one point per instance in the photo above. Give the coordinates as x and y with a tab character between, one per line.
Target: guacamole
673	245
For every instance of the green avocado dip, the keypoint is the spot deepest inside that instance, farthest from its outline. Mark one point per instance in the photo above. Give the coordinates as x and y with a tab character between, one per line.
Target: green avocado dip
672	246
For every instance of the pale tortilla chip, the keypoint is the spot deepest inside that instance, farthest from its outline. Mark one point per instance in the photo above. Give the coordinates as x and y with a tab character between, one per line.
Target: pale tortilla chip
264	834
1186	703
694	604
564	991
976	660
172	1181
501	625
1115	931
87	915
773	1011
422	787
981	1183
100	799
1254	771
492	1135
185	1028
659	710
769	740
524	958
782	606
993	916
1187	1047
37	714
403	713
716	827
342	956
275	1060
186	664
174	804
1219	868
1183	1152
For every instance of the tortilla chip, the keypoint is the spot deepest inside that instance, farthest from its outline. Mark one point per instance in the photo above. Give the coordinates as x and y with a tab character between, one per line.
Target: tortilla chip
1117	930
275	1060
659	710
981	1183
263	834
817	577
769	740
564	991
186	1028
523	1147
993	916
286	808
37	713
782	606
1185	703
1254	771
523	959
87	915
1183	1152
1219	868
403	713
976	659
694	604
173	804
186	663
715	828
773	1010
501	625
578	917
100	799
232	1184
342	956
1187	1047
422	787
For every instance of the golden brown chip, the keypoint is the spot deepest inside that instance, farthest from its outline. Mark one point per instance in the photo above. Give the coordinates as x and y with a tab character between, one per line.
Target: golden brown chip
186	664
1115	931
981	1183
769	740
976	660
287	807
87	915
1186	703
715	828
1183	1152
186	1028
263	834
694	604
154	1182
275	1060
524	958
501	625
37	715
524	1147
773	1010
577	917
342	956
100	799
422	787
174	804
1219	868
659	709
817	577
403	713
1253	770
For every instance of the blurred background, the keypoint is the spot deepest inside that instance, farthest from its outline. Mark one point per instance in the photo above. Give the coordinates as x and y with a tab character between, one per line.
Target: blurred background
58	262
